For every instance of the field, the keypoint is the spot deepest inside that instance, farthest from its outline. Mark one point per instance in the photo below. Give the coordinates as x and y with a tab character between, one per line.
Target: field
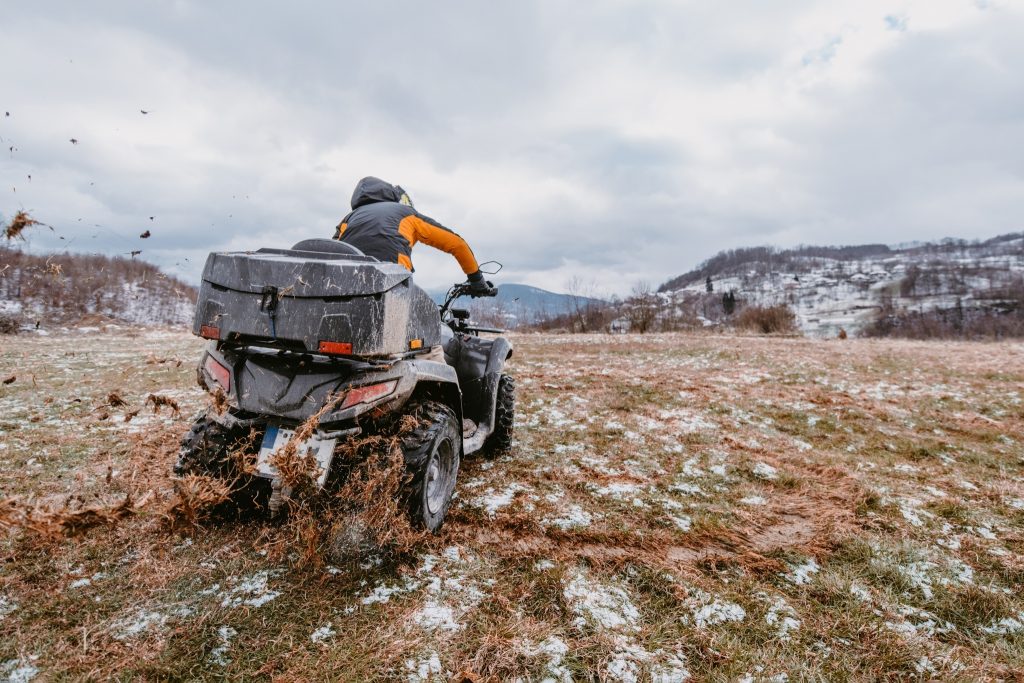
677	506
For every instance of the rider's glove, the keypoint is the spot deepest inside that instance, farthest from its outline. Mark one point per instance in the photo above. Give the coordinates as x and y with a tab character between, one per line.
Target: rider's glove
478	286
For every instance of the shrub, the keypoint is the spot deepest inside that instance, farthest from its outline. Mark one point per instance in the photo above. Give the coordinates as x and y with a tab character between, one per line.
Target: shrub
9	324
767	319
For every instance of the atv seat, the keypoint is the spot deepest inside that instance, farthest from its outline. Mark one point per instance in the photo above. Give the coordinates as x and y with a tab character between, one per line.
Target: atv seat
328	247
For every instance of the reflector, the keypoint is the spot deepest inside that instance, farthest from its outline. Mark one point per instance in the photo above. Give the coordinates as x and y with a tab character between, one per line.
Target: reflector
209	332
219	373
341	348
369	393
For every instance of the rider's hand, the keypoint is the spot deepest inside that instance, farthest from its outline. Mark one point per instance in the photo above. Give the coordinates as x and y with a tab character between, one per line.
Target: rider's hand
478	286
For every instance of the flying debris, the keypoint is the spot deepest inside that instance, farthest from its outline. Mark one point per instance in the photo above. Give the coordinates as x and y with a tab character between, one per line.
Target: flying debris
151	218
143	111
144	235
74	141
7	113
135	253
18	224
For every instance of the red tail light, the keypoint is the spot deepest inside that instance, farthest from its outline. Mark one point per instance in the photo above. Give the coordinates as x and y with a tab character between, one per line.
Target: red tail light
209	332
369	393
339	348
219	373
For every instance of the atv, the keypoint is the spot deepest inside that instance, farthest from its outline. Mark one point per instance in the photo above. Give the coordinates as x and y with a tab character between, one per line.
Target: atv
323	331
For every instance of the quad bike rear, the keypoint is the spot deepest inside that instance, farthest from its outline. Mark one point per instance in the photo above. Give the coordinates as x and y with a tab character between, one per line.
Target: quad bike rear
318	344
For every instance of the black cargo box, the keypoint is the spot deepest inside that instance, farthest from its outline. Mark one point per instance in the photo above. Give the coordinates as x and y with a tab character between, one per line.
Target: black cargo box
314	301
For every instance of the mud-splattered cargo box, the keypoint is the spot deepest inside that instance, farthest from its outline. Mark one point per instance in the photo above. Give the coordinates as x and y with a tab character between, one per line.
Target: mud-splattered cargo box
314	301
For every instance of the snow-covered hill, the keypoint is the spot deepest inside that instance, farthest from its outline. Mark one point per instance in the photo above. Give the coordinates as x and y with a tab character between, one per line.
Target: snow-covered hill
849	287
63	289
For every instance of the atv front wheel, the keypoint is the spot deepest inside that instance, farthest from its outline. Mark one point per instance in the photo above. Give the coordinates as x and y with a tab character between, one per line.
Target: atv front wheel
500	440
432	452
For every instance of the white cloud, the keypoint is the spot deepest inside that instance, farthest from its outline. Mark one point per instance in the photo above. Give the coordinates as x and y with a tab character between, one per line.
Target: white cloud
620	141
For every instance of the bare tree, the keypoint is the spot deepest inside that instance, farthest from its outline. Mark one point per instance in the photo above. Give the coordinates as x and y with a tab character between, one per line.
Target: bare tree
586	310
642	308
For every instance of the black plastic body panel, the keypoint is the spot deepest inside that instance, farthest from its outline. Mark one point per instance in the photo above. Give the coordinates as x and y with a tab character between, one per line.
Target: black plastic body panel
296	299
293	386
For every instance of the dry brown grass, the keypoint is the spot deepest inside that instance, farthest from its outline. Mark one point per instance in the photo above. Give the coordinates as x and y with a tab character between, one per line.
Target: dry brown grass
18	225
163	401
67	519
767	319
894	466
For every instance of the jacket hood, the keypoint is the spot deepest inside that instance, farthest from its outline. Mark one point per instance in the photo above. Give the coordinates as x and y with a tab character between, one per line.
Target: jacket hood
370	190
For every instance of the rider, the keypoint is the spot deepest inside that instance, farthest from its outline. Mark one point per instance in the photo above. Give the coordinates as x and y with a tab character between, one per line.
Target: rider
384	224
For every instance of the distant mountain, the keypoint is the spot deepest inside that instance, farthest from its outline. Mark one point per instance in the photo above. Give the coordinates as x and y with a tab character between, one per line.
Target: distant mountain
65	289
518	304
850	287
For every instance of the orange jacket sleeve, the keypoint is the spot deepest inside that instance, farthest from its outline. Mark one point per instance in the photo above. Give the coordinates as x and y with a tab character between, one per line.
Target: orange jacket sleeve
430	232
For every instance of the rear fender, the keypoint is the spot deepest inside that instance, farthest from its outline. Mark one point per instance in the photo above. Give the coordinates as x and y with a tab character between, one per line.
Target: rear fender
437	382
293	389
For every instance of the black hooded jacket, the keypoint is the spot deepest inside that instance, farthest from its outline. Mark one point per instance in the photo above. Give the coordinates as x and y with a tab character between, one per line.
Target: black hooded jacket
384	228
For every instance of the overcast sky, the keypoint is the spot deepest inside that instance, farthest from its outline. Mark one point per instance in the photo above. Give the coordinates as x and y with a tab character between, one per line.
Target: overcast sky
612	140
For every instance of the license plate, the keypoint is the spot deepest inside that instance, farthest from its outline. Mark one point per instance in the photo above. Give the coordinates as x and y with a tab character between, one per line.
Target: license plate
275	439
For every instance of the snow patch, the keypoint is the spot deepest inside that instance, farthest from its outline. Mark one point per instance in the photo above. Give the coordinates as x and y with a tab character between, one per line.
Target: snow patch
18	670
251	591
553	649
917	573
710	610
602	606
684	523
783	617
800	575
323	634
618	490
219	654
686	488
1006	626
147	620
492	501
423	669
860	592
575	517
7	606
451	593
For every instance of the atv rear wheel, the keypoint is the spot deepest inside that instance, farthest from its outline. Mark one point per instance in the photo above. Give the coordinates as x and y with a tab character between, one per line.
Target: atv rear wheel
500	440
432	453
207	449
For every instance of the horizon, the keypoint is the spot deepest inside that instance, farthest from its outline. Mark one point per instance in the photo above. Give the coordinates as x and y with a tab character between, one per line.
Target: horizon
600	294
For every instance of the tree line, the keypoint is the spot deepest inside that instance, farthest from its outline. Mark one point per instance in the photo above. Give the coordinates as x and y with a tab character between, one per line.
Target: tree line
63	288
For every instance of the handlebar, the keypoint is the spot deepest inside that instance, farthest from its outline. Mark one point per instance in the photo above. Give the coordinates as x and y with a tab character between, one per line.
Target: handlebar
460	289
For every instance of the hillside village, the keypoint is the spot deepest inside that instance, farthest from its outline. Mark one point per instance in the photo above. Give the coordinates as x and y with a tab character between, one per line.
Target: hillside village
850	288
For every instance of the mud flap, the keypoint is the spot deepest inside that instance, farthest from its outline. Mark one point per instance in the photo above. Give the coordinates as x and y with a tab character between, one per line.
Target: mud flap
319	446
